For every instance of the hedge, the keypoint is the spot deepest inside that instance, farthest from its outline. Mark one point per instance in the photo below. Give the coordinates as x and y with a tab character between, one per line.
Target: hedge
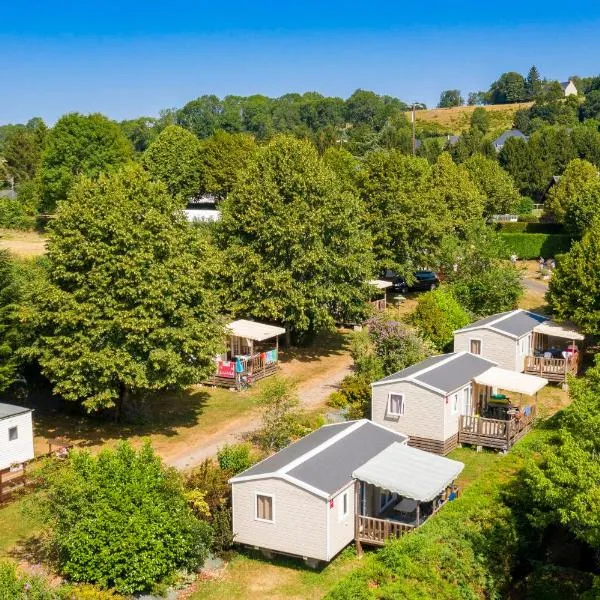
533	245
523	227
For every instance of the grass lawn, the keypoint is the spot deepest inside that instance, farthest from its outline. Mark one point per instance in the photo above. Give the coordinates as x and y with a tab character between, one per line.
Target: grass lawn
16	525
250	576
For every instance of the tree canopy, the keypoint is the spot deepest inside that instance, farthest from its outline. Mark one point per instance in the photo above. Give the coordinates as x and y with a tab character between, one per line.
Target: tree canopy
574	290
127	307
295	249
450	98
174	158
79	145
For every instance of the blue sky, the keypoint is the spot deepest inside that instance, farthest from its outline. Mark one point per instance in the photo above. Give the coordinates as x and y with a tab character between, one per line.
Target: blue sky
127	59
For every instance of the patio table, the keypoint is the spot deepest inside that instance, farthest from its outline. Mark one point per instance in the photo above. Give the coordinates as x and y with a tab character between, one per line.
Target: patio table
406	505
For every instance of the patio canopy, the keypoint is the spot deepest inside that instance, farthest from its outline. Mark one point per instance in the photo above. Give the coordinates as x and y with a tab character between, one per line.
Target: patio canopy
511	381
409	472
380	284
559	330
254	331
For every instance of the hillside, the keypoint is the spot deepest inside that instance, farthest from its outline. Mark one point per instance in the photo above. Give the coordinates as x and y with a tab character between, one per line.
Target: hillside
454	120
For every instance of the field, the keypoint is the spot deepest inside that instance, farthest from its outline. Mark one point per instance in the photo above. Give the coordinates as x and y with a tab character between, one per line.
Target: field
454	120
23	243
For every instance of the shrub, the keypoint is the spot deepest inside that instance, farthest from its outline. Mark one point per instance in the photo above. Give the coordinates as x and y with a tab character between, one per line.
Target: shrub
337	400
235	458
524	227
14	216
437	315
15	585
532	245
525	206
222	529
121	520
211	480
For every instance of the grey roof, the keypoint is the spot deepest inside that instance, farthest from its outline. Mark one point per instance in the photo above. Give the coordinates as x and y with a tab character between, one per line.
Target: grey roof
520	323
484	321
296	450
10	194
509	134
515	323
331	469
424	364
456	372
453	139
10	410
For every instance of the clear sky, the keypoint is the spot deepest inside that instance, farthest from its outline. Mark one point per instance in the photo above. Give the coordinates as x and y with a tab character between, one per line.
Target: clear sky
127	59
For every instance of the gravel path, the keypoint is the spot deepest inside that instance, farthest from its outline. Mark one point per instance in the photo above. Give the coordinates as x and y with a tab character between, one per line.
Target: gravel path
312	394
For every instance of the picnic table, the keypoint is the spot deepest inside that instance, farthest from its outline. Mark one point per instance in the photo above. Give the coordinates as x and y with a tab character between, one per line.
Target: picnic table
406	506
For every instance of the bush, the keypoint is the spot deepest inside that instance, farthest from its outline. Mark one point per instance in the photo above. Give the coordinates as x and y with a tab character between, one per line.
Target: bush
121	520
14	216
15	585
210	479
235	458
437	315
533	245
525	206
337	400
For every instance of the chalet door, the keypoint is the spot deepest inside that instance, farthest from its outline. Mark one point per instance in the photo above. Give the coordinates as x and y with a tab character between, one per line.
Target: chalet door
467	405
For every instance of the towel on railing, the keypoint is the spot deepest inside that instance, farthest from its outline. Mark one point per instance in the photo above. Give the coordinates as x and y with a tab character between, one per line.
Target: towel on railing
527	411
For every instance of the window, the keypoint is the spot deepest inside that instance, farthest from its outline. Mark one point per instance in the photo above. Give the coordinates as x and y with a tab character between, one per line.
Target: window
344	505
454	403
475	346
264	508
385	498
13	434
396	405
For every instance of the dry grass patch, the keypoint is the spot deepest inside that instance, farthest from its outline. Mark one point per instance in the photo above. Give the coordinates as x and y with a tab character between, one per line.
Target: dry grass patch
23	243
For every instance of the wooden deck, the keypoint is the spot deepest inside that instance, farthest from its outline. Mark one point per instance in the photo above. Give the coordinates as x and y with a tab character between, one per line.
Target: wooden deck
493	433
552	369
256	368
375	532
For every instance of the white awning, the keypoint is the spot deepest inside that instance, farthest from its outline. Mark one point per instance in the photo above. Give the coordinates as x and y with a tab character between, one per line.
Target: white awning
252	330
409	472
511	381
559	330
380	284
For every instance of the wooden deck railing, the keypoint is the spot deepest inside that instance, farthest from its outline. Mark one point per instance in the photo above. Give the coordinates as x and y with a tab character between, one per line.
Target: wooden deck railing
494	433
379	305
554	369
376	531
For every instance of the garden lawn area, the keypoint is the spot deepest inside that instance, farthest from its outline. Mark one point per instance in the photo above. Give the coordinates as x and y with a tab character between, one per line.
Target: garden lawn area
15	525
23	243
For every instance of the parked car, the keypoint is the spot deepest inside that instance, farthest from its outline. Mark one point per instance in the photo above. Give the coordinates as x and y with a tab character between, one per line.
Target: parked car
424	280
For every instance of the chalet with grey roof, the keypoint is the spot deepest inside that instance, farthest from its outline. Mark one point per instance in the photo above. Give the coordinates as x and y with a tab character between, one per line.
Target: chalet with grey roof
353	481
450	399
568	88
16	444
523	341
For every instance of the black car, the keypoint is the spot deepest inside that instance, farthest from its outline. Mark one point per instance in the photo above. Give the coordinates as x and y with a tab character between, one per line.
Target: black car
424	280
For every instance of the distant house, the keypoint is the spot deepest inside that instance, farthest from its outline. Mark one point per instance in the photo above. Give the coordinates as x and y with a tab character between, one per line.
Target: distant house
499	142
523	341
343	482
551	183
568	88
435	400
452	139
202	209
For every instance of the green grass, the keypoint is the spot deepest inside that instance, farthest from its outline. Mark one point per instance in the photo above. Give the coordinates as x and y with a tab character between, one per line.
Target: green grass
16	525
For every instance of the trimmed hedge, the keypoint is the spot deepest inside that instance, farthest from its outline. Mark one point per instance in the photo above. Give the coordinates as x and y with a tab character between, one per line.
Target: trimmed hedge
533	245
523	227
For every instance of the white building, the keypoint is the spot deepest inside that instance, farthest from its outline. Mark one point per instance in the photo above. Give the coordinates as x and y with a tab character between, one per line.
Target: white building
16	435
568	88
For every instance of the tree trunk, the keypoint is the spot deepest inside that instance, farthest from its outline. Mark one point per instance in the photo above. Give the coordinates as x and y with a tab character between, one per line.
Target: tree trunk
123	398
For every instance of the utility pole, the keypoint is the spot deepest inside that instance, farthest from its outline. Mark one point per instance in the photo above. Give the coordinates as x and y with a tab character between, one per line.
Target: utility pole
414	139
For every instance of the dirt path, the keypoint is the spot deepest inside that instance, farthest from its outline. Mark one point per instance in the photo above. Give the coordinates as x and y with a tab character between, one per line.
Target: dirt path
312	394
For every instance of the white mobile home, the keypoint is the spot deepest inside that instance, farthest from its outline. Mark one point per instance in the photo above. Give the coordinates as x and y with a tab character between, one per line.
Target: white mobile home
16	435
343	482
436	400
520	340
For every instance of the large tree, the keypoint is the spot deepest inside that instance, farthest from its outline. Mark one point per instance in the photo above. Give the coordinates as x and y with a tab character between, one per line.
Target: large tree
23	150
509	88
223	157
574	290
450	98
577	176
127	307
583	209
498	187
294	246
533	83
405	220
454	188
10	331
174	158
79	145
